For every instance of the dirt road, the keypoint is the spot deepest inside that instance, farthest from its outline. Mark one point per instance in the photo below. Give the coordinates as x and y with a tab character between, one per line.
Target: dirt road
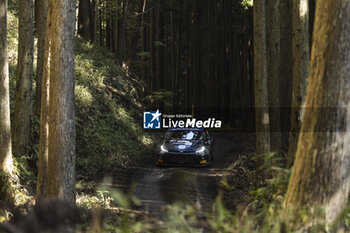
157	187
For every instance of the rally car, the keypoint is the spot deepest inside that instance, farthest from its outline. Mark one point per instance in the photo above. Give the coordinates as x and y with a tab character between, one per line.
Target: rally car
186	147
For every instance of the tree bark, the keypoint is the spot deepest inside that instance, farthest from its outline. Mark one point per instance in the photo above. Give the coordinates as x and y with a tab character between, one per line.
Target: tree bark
320	175
116	28
286	67
84	21
260	77
43	158
122	33
23	106
41	15
301	61
159	48
6	162
273	71
61	171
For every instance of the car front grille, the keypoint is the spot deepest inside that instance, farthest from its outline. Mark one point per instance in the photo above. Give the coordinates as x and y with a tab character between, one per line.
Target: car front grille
181	158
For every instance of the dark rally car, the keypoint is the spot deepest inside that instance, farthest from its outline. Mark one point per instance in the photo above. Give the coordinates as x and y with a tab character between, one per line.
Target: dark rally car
187	147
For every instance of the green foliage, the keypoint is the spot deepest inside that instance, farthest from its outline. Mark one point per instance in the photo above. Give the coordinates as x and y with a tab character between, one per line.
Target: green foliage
263	211
109	132
144	54
159	44
246	4
5	215
6	190
13	188
26	175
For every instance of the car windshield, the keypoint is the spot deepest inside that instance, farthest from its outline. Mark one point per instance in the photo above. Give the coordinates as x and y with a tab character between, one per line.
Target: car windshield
184	135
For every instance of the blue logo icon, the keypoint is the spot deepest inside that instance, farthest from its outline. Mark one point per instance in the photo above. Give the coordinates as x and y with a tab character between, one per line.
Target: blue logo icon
151	120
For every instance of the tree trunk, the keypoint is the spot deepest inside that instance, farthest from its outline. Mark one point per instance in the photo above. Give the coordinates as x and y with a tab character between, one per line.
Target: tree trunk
122	33
136	35
301	63
321	175
116	28
260	77
84	21
273	71
41	15
43	158
5	128
286	67
159	48
61	170
23	107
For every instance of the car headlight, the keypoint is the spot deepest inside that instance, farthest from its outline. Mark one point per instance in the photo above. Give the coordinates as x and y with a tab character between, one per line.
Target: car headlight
200	150
163	149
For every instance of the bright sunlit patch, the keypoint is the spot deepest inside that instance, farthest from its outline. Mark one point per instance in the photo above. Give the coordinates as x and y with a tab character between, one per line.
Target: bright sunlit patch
246	4
304	9
122	114
146	140
266	119
83	95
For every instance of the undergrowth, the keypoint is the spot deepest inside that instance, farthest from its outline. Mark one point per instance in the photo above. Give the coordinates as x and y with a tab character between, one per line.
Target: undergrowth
262	209
108	113
109	108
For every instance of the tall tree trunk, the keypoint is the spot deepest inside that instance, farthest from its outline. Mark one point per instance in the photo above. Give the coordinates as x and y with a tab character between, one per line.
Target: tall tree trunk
260	77
116	28
159	48
96	20
84	20
122	33
286	67
41	15
5	128
43	158
321	175
273	73
136	35
144	40
301	57
23	107
61	172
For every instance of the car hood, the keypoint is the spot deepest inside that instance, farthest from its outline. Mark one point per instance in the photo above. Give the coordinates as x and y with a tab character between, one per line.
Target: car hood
183	145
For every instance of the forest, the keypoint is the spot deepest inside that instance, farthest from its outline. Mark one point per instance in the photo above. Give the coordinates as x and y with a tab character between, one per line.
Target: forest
269	77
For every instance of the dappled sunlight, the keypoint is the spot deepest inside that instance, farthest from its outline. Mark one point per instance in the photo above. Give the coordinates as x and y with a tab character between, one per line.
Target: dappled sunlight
110	131
304	8
146	140
83	96
247	3
122	114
